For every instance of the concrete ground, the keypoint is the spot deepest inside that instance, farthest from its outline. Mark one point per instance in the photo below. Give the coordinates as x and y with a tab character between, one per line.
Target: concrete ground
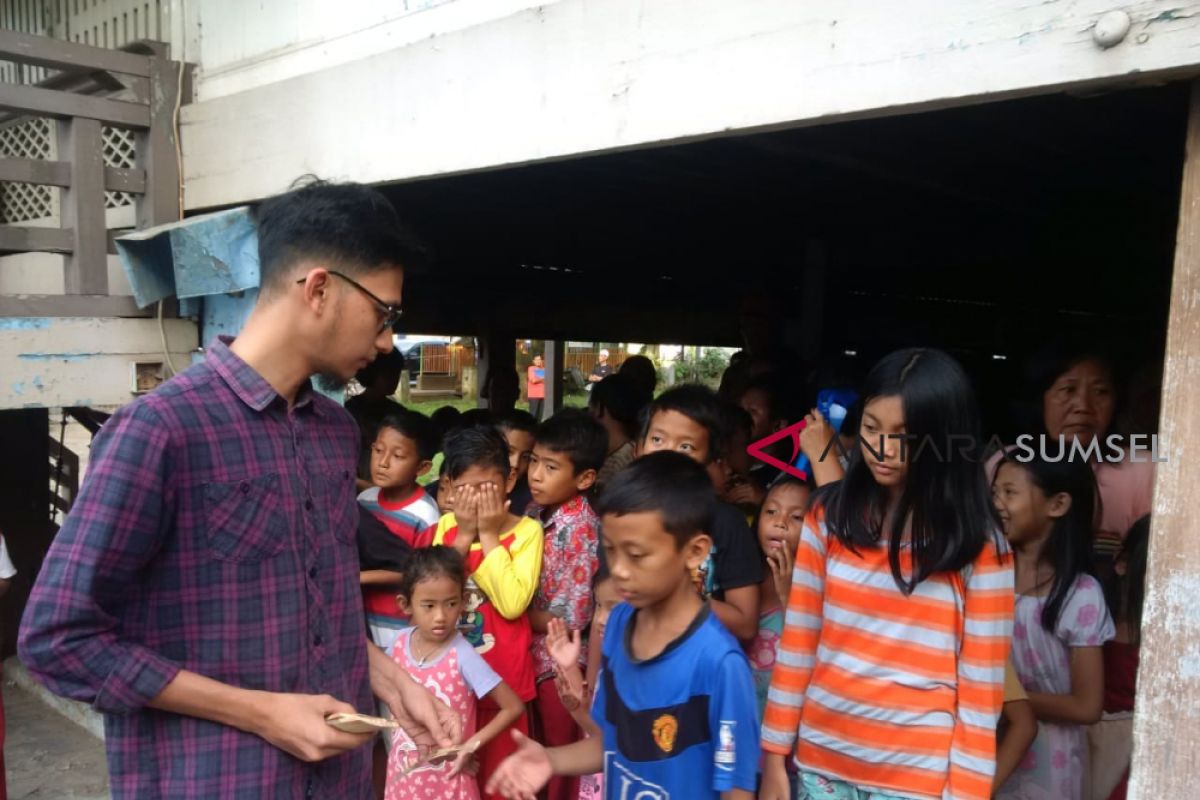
46	754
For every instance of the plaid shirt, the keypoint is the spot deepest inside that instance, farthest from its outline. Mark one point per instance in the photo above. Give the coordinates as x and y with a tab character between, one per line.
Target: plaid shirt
214	533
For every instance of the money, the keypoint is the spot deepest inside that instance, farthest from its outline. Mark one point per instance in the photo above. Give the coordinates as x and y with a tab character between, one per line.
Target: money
436	758
360	723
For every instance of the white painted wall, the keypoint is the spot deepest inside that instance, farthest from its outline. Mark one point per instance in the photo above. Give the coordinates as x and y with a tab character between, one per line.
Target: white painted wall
76	361
42	273
583	76
240	45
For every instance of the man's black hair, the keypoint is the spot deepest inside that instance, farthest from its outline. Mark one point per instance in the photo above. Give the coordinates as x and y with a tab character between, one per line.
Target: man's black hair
444	420
474	417
389	363
415	426
517	420
574	433
641	371
476	446
351	226
699	404
620	396
674	486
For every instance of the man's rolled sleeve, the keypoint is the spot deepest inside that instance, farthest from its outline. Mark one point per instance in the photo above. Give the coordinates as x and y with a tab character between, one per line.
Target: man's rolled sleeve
71	637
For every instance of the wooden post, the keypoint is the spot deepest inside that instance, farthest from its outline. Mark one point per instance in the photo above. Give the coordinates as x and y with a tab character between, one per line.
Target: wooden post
86	268
1167	722
155	147
555	358
496	354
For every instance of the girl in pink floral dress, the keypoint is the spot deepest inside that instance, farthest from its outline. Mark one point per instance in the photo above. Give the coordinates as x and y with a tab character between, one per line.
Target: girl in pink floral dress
1060	621
437	656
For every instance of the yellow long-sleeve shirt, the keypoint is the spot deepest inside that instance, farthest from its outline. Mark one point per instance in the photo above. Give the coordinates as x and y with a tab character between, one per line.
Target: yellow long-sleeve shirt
499	591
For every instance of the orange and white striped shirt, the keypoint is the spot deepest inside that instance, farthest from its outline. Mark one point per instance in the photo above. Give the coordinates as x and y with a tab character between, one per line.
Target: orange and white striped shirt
888	692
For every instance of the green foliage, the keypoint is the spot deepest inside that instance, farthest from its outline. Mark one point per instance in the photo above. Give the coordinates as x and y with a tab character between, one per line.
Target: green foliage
707	369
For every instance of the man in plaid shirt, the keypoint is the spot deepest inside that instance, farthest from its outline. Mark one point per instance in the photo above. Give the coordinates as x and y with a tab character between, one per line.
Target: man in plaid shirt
203	594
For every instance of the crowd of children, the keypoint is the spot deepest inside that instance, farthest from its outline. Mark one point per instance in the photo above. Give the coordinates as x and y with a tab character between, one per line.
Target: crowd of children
621	603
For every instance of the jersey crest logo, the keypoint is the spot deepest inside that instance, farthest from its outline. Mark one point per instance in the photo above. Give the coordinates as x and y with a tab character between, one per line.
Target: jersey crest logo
664	731
726	754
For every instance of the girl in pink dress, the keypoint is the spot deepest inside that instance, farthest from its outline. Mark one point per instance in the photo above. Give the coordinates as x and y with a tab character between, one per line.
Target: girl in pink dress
437	656
1060	622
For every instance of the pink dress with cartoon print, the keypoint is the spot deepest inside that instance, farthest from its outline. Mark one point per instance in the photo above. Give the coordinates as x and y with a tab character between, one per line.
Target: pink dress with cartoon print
457	678
1055	765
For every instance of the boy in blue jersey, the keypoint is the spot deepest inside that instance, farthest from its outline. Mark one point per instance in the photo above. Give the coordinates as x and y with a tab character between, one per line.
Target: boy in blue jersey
675	701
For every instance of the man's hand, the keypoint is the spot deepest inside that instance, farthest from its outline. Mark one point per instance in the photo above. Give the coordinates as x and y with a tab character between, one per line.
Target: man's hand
523	774
295	723
493	511
428	722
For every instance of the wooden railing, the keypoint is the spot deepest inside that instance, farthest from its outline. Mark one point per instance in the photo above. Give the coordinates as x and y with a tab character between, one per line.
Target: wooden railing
64	479
585	360
155	83
446	359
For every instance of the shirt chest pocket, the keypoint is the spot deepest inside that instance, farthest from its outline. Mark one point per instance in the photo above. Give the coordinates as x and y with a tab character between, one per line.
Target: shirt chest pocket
337	490
243	521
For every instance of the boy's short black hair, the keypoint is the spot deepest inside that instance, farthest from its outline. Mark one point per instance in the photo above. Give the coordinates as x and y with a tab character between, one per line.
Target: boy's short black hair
476	446
432	562
666	482
574	433
699	404
517	420
350	225
415	426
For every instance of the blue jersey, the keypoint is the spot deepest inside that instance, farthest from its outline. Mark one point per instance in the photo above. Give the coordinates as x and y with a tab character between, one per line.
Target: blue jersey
679	726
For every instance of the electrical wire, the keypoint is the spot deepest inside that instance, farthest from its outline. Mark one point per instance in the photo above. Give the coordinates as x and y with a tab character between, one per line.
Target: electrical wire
162	327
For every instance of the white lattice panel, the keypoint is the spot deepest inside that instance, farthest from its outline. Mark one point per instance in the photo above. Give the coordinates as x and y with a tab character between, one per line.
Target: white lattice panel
118	152
19	202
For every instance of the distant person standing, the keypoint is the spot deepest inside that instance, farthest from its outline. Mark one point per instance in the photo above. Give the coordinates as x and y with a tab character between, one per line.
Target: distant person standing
601	371
535	387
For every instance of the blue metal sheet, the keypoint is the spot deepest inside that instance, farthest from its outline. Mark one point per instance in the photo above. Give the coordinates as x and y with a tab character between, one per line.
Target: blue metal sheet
196	257
225	314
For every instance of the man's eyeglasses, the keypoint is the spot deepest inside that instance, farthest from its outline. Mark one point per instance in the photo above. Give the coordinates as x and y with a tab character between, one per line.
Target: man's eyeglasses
391	314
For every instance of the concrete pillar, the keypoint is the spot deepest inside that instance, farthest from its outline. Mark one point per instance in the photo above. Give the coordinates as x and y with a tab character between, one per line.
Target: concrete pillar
555	358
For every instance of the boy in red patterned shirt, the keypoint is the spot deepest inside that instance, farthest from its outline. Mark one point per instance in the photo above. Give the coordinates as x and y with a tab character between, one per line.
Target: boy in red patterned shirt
569	450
